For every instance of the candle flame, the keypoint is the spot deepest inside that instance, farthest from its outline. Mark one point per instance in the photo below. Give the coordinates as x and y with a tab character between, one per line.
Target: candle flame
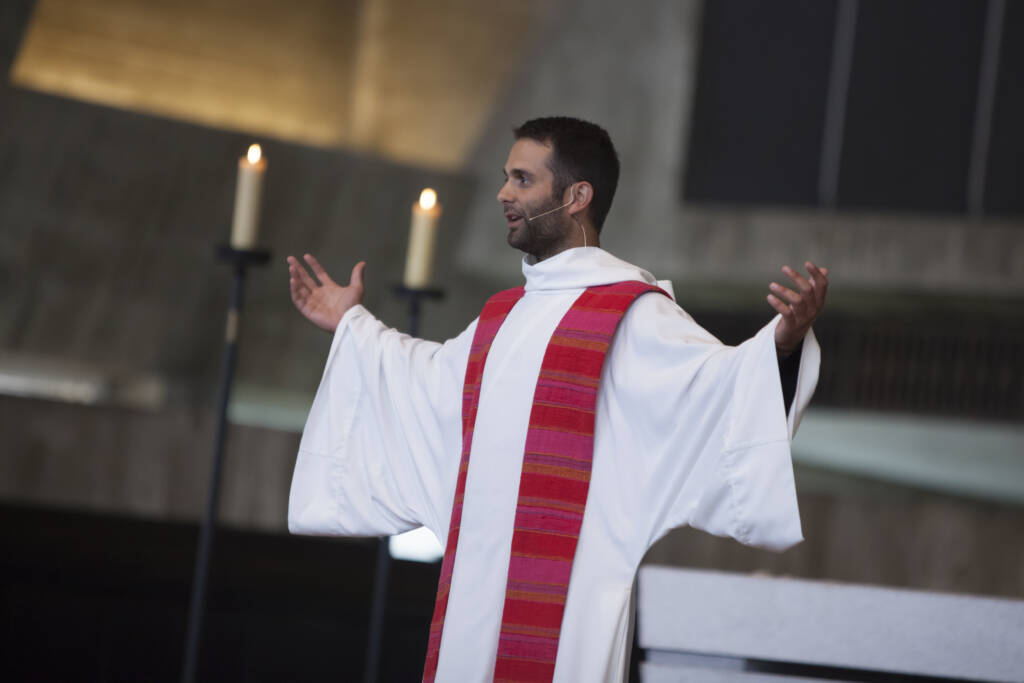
427	199
254	154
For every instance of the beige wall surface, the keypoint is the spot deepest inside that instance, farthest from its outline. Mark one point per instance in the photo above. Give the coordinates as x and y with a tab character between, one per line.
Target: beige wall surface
407	80
263	67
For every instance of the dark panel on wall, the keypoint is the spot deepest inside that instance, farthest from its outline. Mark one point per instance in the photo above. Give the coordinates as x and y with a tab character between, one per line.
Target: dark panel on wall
760	102
1005	181
762	83
911	105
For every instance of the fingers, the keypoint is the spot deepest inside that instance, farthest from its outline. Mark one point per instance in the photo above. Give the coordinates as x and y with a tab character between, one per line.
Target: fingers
812	290
299	292
781	307
356	279
318	270
819	281
798	309
785	293
308	294
799	280
802	304
296	271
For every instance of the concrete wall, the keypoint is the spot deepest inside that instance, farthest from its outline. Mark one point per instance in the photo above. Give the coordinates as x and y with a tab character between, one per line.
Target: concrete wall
152	465
108	221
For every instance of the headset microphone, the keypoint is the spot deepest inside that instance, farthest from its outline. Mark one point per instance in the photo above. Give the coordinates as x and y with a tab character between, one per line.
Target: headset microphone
572	198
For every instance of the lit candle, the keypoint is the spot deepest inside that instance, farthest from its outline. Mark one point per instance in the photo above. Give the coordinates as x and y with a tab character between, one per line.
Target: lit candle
422	236
245	226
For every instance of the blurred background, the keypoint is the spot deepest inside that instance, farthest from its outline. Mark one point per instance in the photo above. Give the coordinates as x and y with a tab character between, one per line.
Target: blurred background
880	139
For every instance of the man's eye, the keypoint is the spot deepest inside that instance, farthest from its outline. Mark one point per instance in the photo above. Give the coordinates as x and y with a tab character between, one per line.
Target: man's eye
522	180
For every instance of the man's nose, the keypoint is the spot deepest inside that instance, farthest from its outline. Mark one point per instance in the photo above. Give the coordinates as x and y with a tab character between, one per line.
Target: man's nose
503	194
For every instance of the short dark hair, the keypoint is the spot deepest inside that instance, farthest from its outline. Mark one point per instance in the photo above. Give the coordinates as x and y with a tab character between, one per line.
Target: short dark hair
580	150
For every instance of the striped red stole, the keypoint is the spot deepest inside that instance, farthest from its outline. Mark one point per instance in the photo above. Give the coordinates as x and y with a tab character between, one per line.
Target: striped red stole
554	482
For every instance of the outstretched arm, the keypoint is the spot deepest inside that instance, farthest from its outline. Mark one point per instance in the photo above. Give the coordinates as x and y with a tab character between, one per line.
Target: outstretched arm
322	300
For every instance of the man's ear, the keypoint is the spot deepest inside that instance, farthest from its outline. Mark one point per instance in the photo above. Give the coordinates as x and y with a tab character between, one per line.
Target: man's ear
582	196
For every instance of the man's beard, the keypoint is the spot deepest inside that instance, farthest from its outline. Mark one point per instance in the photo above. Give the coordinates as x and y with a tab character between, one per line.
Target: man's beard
543	236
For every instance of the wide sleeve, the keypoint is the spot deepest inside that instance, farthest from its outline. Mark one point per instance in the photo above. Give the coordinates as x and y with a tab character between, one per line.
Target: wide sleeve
380	450
703	428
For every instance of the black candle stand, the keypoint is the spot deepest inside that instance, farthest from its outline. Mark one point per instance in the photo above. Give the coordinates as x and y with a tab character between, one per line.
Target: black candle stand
415	298
240	259
382	573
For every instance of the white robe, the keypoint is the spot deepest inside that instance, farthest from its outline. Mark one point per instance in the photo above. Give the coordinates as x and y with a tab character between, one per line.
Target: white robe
688	432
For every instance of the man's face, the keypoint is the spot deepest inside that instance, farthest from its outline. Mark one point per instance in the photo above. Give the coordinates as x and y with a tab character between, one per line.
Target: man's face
527	192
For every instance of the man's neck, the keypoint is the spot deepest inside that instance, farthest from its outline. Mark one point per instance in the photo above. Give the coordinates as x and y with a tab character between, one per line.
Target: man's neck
592	240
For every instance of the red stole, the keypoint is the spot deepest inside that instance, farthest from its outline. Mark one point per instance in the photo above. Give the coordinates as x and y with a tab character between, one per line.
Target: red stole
555	476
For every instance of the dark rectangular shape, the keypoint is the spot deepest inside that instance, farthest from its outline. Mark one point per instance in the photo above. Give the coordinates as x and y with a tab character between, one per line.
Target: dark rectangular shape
1004	191
91	597
911	106
759	107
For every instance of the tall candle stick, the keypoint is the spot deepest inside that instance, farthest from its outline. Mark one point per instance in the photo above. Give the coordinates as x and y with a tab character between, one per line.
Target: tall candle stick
422	236
245	225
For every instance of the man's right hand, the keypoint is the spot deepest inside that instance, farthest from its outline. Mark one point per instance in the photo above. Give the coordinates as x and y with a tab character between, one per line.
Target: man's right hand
325	302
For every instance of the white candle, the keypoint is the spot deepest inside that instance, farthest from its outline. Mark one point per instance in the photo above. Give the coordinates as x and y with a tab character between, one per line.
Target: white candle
422	236
245	225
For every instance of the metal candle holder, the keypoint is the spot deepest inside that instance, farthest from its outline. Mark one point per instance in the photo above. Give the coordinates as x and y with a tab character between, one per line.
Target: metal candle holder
240	259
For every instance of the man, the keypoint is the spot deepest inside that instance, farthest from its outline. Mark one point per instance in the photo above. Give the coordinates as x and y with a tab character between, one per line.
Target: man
686	431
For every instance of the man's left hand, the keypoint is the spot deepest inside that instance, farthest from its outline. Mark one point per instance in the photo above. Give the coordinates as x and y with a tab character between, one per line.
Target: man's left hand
798	308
